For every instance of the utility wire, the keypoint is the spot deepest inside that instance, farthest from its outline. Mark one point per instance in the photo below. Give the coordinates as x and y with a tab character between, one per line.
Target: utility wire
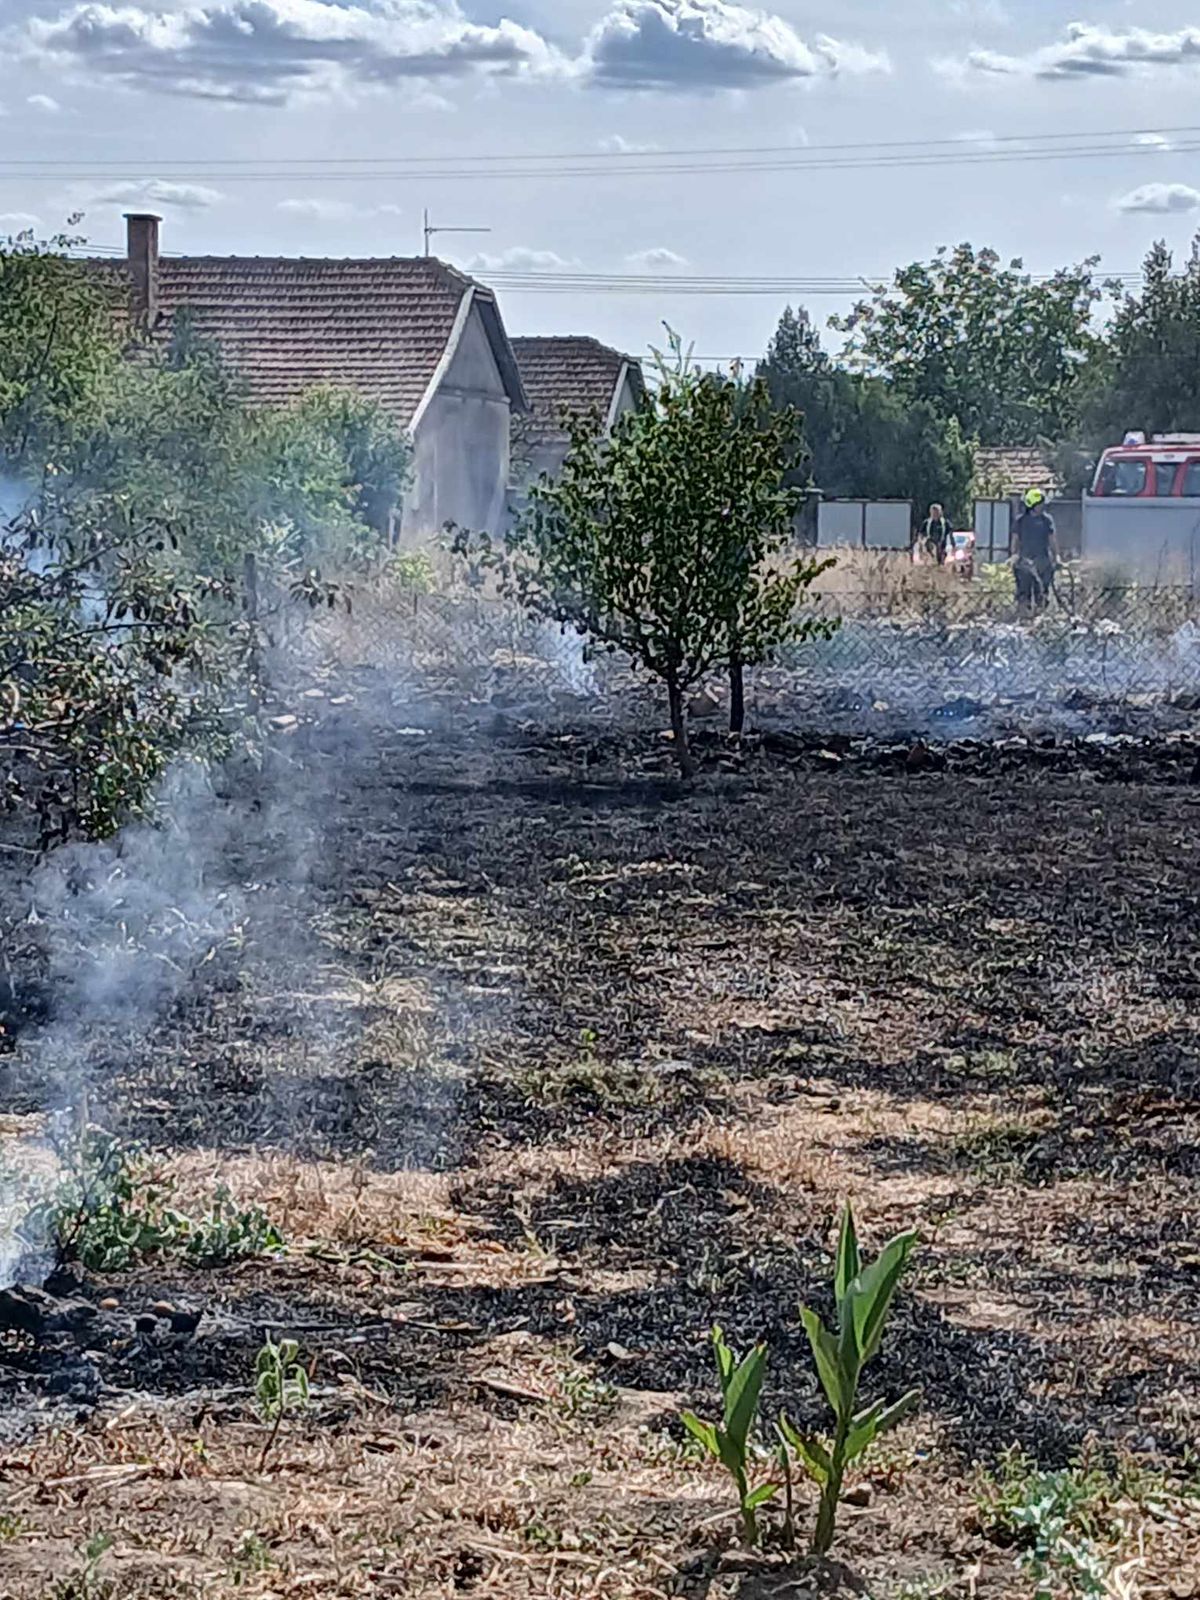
960	143
767	160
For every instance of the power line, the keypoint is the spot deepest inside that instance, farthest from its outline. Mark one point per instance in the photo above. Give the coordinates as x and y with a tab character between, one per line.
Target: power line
664	285
780	159
961	143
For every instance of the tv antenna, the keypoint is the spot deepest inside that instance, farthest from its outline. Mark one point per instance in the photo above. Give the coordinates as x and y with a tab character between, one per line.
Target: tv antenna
428	230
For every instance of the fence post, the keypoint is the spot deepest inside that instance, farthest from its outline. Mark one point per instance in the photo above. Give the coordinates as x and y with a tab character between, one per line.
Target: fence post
250	612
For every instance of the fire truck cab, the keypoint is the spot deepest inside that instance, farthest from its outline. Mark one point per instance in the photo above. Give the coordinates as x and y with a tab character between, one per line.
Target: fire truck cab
1165	467
1143	511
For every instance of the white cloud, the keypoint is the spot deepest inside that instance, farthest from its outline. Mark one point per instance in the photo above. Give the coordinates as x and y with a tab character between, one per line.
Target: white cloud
268	52
519	258
1153	141
616	144
17	222
656	259
318	210
982	138
1160	199
695	46
43	102
1087	51
154	192
987	11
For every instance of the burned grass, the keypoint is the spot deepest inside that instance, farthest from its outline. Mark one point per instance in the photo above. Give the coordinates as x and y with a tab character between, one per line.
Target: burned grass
543	1063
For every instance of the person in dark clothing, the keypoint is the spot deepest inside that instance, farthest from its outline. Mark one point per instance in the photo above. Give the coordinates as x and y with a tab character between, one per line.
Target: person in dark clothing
1035	552
935	535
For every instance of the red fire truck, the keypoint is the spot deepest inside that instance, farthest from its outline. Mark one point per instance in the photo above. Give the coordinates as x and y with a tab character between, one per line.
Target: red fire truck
1142	514
1164	467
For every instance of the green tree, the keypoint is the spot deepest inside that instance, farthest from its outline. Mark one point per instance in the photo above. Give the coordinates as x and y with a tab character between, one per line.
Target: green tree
1147	373
667	540
864	440
143	485
983	343
59	346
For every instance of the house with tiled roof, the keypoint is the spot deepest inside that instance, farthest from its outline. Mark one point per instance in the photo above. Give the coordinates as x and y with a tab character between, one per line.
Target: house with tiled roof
422	339
565	374
1002	471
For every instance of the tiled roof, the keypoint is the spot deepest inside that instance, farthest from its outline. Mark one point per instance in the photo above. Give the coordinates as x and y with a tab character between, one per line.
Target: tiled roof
1010	470
571	372
286	324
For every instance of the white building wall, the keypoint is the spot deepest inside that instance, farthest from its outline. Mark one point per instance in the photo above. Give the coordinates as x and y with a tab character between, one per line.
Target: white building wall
460	447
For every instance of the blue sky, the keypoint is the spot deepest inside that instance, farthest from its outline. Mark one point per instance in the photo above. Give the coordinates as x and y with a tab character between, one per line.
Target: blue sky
154	86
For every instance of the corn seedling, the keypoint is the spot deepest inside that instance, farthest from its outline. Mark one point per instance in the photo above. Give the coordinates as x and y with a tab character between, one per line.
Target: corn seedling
280	1386
863	1296
728	1441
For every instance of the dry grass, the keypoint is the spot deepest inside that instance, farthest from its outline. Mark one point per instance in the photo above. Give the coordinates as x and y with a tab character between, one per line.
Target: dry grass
502	1328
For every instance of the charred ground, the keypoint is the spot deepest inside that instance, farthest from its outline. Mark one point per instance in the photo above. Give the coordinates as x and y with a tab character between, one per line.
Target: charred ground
546	1062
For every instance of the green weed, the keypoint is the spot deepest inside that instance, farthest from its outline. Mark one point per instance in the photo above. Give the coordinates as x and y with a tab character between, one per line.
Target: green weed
728	1441
112	1209
864	1296
251	1556
1060	1520
280	1386
583	1395
85	1583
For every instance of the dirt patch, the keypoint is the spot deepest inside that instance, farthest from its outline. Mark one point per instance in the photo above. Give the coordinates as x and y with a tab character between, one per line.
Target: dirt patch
543	1064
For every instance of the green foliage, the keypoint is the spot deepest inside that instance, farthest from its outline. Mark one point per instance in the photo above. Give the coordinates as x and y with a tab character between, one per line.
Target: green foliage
865	440
374	456
728	1441
410	569
1145	375
280	1387
280	1379
666	540
1059	1520
981	342
112	1210
112	663
85	1583
863	1295
146	484
59	347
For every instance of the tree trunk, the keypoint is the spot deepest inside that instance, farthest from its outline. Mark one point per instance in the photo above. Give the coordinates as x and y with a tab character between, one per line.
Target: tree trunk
679	733
737	695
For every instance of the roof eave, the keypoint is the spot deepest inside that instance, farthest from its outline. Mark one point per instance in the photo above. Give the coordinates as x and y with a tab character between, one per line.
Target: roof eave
502	350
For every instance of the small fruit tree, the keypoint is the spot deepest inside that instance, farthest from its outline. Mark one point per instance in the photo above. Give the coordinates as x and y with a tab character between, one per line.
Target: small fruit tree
668	539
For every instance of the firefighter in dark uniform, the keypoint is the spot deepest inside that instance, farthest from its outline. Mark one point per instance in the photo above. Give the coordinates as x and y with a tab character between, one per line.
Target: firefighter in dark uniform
1035	553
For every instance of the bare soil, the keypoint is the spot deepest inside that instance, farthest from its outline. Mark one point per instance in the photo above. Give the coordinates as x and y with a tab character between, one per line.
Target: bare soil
543	1063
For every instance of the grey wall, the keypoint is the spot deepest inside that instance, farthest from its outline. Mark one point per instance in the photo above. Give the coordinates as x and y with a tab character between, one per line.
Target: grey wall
994	520
869	524
460	448
1150	540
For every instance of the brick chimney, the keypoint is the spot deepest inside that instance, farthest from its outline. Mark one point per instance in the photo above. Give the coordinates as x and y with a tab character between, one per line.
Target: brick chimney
141	250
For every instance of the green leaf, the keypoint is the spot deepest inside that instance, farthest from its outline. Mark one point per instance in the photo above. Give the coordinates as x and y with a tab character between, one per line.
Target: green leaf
760	1496
724	1355
704	1431
742	1396
877	1421
731	1453
863	1430
814	1457
871	1294
825	1354
847	1268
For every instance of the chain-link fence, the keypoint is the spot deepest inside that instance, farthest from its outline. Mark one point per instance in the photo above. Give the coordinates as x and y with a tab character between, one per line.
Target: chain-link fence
913	650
